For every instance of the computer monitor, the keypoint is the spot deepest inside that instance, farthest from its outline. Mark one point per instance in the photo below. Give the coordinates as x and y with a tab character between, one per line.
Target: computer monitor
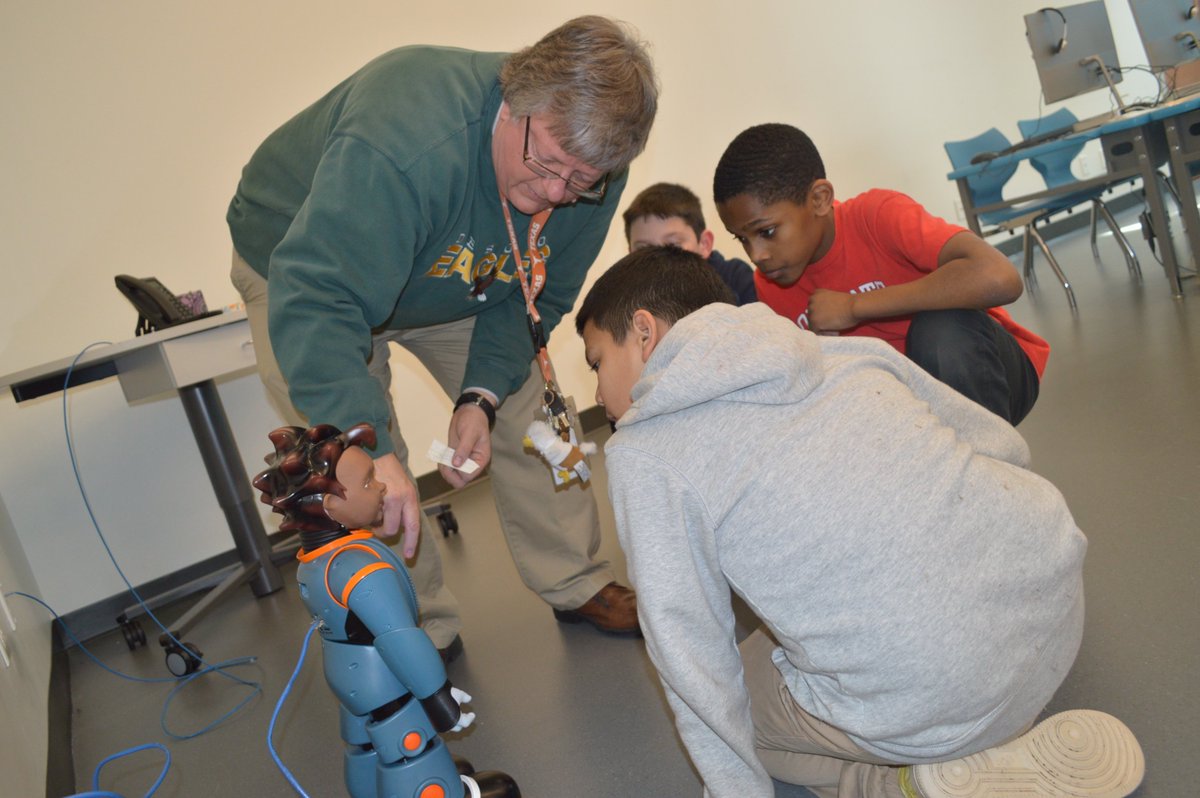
1073	50
1170	30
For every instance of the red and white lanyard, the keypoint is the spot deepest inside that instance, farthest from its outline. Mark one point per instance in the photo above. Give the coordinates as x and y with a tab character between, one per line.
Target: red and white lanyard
532	284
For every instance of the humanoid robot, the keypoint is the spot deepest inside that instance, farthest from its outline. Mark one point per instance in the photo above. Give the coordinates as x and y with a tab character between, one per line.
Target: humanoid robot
395	698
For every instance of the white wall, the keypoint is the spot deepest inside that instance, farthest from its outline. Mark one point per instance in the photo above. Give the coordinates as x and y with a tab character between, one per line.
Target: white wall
25	683
126	126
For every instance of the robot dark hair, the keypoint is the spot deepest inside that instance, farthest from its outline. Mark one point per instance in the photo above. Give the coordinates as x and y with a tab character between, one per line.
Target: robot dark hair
395	698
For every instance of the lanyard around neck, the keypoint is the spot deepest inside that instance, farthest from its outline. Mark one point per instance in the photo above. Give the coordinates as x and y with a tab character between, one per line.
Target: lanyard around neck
532	281
532	284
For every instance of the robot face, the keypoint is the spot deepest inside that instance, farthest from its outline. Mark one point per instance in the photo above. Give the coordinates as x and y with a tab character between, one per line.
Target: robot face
362	508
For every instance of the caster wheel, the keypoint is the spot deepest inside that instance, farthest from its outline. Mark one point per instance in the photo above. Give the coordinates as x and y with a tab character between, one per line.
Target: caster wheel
448	523
182	660
132	631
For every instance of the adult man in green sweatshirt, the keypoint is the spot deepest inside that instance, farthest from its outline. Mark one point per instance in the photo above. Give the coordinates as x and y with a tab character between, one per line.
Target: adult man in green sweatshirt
390	211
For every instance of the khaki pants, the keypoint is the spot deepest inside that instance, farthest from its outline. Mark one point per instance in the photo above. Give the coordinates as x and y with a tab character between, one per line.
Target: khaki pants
797	748
553	535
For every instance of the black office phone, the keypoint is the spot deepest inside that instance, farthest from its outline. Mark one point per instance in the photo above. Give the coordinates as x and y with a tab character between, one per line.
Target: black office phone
157	307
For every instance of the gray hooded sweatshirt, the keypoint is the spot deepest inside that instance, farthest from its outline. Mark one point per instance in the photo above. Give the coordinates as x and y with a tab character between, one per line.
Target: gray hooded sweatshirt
924	586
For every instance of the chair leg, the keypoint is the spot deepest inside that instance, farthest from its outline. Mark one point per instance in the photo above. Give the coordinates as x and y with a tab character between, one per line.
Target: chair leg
1095	249
1027	246
1058	272
1131	260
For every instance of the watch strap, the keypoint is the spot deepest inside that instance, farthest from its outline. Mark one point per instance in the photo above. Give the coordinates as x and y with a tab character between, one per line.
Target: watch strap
482	402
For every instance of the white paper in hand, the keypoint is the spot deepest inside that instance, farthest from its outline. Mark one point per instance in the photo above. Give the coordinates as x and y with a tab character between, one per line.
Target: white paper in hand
443	455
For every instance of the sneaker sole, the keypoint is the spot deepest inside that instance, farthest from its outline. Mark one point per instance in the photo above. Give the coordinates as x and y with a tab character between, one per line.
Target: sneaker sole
1080	753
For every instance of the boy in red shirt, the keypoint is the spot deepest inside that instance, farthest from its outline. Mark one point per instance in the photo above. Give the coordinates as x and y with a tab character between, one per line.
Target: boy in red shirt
880	265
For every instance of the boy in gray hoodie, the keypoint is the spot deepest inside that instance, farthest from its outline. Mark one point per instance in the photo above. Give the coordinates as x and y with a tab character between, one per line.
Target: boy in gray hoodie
920	589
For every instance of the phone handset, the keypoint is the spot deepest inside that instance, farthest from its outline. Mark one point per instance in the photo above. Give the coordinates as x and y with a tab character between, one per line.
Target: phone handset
157	307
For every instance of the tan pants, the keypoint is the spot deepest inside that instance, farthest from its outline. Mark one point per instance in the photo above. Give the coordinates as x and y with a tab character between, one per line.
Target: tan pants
553	535
797	748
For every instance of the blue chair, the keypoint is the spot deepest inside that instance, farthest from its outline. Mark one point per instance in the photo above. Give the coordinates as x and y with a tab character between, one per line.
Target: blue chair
1055	169
985	186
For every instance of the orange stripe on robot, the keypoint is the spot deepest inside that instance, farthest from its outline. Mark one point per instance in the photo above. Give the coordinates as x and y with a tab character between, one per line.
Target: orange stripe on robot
309	556
358	577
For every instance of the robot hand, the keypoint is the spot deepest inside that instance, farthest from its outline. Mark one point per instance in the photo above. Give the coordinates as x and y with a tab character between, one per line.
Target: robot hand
466	718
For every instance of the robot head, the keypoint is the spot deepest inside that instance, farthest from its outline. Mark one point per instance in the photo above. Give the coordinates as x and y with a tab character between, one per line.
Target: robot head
302	474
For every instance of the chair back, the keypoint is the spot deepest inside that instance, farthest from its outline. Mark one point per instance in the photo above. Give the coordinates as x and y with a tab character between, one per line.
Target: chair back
986	186
1054	167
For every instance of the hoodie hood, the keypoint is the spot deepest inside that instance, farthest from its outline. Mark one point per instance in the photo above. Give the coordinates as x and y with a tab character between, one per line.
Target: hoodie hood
745	354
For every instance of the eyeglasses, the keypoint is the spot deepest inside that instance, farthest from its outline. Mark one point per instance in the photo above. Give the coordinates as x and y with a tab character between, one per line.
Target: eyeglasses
592	192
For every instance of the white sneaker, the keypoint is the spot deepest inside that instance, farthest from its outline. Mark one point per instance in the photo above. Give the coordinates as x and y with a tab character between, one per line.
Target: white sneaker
1080	753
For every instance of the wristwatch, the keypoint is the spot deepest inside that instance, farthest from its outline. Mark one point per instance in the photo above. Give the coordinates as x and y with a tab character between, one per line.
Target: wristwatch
482	402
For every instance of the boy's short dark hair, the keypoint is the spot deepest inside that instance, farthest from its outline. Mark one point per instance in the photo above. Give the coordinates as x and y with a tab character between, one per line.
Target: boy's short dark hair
666	200
771	162
667	281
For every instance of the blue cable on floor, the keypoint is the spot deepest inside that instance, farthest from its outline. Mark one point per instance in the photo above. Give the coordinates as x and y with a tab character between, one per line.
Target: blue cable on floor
255	687
279	705
96	792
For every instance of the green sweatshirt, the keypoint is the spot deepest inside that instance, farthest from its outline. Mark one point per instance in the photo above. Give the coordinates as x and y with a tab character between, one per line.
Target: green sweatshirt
376	208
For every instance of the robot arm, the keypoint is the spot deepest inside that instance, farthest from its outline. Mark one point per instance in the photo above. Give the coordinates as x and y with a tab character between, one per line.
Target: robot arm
405	652
378	594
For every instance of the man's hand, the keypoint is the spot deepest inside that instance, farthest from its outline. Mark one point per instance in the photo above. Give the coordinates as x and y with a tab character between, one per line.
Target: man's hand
401	510
468	436
830	311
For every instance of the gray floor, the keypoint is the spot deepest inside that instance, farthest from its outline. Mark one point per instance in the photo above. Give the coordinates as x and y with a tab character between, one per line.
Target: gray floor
572	713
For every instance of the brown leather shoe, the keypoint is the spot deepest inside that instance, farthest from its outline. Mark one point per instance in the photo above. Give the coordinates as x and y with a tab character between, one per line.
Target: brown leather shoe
613	611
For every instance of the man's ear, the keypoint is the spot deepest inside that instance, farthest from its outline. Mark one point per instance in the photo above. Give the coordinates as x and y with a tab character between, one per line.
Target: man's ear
706	243
649	331
820	197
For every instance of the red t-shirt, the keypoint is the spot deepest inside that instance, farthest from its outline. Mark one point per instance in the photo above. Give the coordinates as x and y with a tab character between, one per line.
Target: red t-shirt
882	238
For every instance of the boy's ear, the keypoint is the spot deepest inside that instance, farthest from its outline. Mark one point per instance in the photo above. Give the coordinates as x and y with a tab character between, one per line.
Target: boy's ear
649	331
706	243
820	196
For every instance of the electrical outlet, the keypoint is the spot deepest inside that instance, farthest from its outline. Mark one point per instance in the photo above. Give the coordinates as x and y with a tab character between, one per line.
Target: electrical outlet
5	612
5	658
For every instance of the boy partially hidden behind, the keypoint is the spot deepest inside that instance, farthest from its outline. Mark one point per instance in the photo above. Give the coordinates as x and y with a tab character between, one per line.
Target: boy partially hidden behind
920	588
880	265
668	214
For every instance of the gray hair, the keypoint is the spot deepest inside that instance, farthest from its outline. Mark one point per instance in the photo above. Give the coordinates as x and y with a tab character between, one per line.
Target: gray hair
595	81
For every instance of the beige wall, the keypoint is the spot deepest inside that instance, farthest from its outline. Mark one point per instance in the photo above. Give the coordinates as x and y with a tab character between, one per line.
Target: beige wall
24	684
126	125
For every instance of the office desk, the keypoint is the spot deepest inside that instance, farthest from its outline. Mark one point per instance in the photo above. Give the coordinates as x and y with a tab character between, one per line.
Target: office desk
184	360
1135	145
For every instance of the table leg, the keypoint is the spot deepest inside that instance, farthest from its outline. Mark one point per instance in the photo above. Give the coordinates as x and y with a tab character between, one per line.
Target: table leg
1158	211
210	426
1181	179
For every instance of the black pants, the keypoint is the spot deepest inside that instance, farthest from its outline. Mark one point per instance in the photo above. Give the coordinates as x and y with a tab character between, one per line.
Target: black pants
969	351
